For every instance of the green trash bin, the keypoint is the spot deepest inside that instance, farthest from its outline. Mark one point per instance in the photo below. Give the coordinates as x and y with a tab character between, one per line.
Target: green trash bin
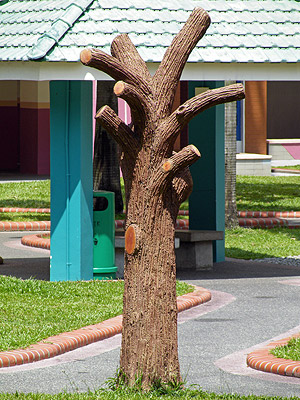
104	235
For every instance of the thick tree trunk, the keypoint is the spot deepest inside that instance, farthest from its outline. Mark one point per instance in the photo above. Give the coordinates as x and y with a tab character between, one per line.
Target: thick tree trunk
231	219
157	181
106	168
149	341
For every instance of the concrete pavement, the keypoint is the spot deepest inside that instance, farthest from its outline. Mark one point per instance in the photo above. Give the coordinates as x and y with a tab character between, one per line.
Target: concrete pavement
251	304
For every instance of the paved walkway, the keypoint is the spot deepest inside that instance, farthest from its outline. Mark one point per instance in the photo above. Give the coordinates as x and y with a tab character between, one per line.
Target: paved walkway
252	303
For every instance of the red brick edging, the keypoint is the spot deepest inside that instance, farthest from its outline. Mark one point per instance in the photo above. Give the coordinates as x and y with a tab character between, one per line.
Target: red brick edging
253	219
24	226
285	170
36	241
262	360
68	341
25	210
269	214
262	222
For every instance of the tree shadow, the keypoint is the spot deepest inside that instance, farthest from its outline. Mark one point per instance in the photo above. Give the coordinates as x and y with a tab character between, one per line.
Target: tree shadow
251	193
240	269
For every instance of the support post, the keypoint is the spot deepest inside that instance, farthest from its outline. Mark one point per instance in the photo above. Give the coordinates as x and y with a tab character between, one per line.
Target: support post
207	201
71	181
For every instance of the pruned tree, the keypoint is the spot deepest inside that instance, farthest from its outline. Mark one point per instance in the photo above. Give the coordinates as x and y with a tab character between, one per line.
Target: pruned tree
231	219
157	181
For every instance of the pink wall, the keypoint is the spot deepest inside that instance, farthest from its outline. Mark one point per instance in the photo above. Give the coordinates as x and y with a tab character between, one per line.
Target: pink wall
9	134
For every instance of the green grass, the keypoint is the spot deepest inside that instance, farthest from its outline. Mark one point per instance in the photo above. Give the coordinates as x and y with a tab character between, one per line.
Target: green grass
25	195
262	243
289	167
122	394
278	193
34	194
61	306
253	193
20	217
268	193
32	310
290	351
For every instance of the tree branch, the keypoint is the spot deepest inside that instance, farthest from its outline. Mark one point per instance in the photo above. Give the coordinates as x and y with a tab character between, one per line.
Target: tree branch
174	166
188	110
182	187
113	67
125	51
141	106
175	58
122	134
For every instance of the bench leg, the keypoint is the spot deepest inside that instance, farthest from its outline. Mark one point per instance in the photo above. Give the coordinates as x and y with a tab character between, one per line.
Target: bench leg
196	256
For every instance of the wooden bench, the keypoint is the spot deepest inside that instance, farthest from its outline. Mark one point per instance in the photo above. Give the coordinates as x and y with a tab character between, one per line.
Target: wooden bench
193	249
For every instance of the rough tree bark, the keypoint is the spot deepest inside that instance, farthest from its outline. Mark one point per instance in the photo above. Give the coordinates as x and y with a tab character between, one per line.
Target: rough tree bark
231	219
106	169
157	180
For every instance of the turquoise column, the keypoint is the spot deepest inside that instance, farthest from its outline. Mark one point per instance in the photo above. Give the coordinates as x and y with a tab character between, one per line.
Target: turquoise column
71	180
207	201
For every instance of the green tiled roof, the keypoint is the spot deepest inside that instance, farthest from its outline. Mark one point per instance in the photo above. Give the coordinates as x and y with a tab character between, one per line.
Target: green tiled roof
241	31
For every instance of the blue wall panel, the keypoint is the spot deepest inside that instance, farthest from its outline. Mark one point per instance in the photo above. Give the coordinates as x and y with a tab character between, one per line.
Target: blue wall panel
207	201
71	180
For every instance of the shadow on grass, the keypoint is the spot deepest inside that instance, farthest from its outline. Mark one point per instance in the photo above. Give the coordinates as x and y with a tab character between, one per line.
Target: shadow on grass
275	193
235	252
21	217
19	203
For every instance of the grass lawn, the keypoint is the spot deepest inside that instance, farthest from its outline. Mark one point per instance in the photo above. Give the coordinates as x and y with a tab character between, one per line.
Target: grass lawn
274	193
268	193
122	394
25	195
32	310
278	193
290	351
249	244
289	167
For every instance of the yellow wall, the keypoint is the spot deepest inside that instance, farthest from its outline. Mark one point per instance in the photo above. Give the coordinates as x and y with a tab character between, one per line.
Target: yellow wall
34	94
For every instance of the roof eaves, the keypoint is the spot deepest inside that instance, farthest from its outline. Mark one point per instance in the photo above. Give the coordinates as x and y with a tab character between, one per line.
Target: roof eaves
59	27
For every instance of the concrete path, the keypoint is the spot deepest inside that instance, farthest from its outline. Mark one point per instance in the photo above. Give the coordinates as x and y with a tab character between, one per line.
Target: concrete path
252	303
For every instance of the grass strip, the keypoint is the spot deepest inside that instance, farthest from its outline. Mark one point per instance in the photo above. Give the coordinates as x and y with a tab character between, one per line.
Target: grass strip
24	217
253	244
289	167
253	193
268	193
122	394
32	194
290	351
32	310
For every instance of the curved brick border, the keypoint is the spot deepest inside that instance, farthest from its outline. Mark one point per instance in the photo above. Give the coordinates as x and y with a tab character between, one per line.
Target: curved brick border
68	341
36	241
263	361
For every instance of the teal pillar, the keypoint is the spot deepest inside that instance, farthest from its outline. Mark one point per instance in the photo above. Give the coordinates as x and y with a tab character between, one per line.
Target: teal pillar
71	180
207	201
